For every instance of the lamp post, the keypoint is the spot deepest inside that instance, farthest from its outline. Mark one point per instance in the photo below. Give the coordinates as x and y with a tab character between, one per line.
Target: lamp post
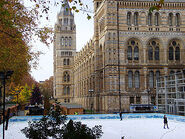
0	102
3	76
148	91
17	103
91	91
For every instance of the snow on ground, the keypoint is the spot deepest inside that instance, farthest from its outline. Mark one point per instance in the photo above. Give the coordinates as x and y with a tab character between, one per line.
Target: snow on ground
115	129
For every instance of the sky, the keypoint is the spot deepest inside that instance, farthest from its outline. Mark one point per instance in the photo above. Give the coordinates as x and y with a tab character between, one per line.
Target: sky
84	32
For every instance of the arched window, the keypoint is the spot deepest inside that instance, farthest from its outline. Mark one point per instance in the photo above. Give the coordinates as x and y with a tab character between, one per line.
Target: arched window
70	41
129	18
130	77
157	19
68	61
177	53
177	20
62	41
65	21
65	90
150	19
153	50
129	53
150	53
68	90
66	77
136	53
170	19
157	53
64	62
66	41
171	53
151	79
136	18
137	81
133	46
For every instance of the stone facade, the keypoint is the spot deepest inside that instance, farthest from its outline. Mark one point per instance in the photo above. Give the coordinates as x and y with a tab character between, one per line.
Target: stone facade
129	50
64	52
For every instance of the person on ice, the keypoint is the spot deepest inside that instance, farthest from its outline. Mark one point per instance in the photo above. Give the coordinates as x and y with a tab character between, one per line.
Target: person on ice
120	114
165	122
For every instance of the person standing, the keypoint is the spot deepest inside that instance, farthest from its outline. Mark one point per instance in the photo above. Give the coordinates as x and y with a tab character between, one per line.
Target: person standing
165	122
120	114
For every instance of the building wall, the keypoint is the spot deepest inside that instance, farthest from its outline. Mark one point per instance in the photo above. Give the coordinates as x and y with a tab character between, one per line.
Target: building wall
103	69
64	52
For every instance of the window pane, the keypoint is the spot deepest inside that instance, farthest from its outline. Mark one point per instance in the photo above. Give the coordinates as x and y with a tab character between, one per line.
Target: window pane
150	53
171	19
137	82
150	19
177	19
151	79
61	41
66	41
138	100
136	53
129	18
129	53
177	53
170	53
131	100
130	79
157	53
136	19
157	19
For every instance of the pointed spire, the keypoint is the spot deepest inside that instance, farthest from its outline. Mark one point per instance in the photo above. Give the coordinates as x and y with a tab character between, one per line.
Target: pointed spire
65	8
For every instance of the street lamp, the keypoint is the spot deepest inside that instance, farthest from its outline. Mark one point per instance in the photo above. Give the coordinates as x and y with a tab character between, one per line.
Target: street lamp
3	77
91	91
148	91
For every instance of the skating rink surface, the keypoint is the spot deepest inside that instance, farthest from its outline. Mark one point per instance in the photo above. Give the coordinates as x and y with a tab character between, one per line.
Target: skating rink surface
115	129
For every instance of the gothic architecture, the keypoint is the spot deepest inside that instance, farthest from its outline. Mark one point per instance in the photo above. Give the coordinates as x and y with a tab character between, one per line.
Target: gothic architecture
120	64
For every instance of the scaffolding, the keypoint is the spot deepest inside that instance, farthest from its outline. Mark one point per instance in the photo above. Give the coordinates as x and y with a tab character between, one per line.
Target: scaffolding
170	93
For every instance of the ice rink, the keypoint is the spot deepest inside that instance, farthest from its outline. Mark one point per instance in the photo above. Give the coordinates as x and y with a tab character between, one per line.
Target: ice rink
135	128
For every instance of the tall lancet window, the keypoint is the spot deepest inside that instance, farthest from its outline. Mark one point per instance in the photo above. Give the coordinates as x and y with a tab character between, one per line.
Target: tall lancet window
157	19
156	53
70	41
177	53
136	53
62	41
171	53
170	19
150	19
150	53
151	79
137	81
66	41
136	18
129	53
130	77
177	19
65	21
129	18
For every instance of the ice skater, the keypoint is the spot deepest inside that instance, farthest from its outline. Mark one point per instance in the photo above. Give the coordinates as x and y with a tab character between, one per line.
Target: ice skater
165	122
120	114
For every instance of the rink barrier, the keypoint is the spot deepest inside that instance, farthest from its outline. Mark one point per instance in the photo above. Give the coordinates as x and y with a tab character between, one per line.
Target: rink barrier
103	116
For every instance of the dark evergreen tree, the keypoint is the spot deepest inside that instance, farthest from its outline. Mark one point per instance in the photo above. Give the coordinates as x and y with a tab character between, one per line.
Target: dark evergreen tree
54	126
36	96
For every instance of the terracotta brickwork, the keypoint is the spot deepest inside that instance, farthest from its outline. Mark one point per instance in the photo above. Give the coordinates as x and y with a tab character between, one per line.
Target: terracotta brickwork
129	50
